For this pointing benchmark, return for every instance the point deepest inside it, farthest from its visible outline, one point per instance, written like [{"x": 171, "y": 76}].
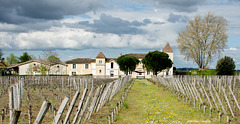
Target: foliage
[
  {"x": 1, "y": 54},
  {"x": 53, "y": 59},
  {"x": 25, "y": 57},
  {"x": 157, "y": 61},
  {"x": 127, "y": 63},
  {"x": 225, "y": 66},
  {"x": 48, "y": 58},
  {"x": 204, "y": 38},
  {"x": 30, "y": 69},
  {"x": 43, "y": 69},
  {"x": 201, "y": 72},
  {"x": 46, "y": 55},
  {"x": 12, "y": 59}
]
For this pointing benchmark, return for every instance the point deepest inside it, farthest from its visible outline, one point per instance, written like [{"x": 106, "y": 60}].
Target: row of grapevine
[
  {"x": 51, "y": 91},
  {"x": 214, "y": 94}
]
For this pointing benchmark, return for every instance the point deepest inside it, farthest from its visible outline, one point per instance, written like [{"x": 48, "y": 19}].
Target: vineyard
[
  {"x": 55, "y": 99},
  {"x": 218, "y": 96}
]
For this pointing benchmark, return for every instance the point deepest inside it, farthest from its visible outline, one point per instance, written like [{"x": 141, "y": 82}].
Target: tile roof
[
  {"x": 110, "y": 59},
  {"x": 138, "y": 55},
  {"x": 81, "y": 60},
  {"x": 167, "y": 48},
  {"x": 100, "y": 55},
  {"x": 39, "y": 61},
  {"x": 19, "y": 64}
]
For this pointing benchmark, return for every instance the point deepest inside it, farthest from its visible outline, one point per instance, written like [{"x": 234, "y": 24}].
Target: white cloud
[{"x": 233, "y": 49}]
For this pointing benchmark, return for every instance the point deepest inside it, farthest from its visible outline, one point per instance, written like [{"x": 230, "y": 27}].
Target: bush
[
  {"x": 225, "y": 66},
  {"x": 201, "y": 72}
]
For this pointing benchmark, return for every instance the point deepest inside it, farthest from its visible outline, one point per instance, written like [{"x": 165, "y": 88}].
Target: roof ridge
[
  {"x": 100, "y": 55},
  {"x": 168, "y": 48}
]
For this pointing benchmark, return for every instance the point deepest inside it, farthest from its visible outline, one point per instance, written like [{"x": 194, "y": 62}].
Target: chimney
[
  {"x": 90, "y": 57},
  {"x": 120, "y": 54}
]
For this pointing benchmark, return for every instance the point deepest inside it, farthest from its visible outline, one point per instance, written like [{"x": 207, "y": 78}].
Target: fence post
[
  {"x": 71, "y": 107},
  {"x": 42, "y": 112},
  {"x": 60, "y": 110},
  {"x": 15, "y": 116}
]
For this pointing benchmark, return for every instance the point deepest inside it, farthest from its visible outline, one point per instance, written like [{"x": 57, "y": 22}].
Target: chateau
[{"x": 102, "y": 66}]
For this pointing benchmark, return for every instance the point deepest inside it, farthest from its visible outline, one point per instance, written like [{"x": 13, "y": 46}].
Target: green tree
[
  {"x": 127, "y": 63},
  {"x": 53, "y": 59},
  {"x": 25, "y": 57},
  {"x": 157, "y": 61},
  {"x": 1, "y": 54},
  {"x": 43, "y": 69},
  {"x": 204, "y": 38},
  {"x": 12, "y": 59},
  {"x": 225, "y": 66}
]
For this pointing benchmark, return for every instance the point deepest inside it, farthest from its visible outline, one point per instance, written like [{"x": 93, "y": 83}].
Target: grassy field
[{"x": 148, "y": 103}]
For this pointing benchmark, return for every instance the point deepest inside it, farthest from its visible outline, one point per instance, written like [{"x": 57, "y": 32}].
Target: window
[
  {"x": 74, "y": 66},
  {"x": 140, "y": 73},
  {"x": 148, "y": 72},
  {"x": 74, "y": 73},
  {"x": 100, "y": 61},
  {"x": 111, "y": 73},
  {"x": 130, "y": 72},
  {"x": 58, "y": 66},
  {"x": 111, "y": 64},
  {"x": 100, "y": 71},
  {"x": 86, "y": 66}
]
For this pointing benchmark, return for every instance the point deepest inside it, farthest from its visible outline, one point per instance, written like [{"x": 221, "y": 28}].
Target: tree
[
  {"x": 25, "y": 57},
  {"x": 157, "y": 61},
  {"x": 12, "y": 59},
  {"x": 127, "y": 63},
  {"x": 204, "y": 38},
  {"x": 1, "y": 54},
  {"x": 49, "y": 58},
  {"x": 53, "y": 59},
  {"x": 225, "y": 66}
]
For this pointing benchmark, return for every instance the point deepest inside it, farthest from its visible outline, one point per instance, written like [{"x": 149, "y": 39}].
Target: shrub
[{"x": 225, "y": 66}]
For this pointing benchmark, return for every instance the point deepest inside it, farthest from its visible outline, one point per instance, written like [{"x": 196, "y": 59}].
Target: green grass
[{"x": 148, "y": 103}]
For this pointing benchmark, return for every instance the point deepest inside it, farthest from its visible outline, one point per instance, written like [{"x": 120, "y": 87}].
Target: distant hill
[{"x": 186, "y": 69}]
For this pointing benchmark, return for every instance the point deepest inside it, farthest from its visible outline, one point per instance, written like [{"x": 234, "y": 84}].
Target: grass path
[{"x": 148, "y": 103}]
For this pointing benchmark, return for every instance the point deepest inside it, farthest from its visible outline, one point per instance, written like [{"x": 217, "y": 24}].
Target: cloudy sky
[{"x": 81, "y": 28}]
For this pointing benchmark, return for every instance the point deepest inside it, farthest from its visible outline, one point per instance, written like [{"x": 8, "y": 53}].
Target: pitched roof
[
  {"x": 100, "y": 55},
  {"x": 81, "y": 60},
  {"x": 39, "y": 61},
  {"x": 111, "y": 59},
  {"x": 138, "y": 55},
  {"x": 19, "y": 64},
  {"x": 167, "y": 48}
]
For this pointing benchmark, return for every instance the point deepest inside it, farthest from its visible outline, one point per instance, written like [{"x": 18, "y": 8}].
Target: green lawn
[{"x": 148, "y": 103}]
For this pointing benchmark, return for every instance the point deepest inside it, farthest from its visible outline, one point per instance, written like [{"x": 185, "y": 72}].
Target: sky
[{"x": 81, "y": 28}]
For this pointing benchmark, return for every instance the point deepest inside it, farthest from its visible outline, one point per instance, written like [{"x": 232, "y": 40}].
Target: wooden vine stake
[
  {"x": 60, "y": 110},
  {"x": 42, "y": 112}
]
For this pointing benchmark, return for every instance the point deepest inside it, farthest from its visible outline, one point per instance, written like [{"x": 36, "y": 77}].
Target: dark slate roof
[
  {"x": 167, "y": 48},
  {"x": 138, "y": 55},
  {"x": 81, "y": 60},
  {"x": 100, "y": 55}
]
